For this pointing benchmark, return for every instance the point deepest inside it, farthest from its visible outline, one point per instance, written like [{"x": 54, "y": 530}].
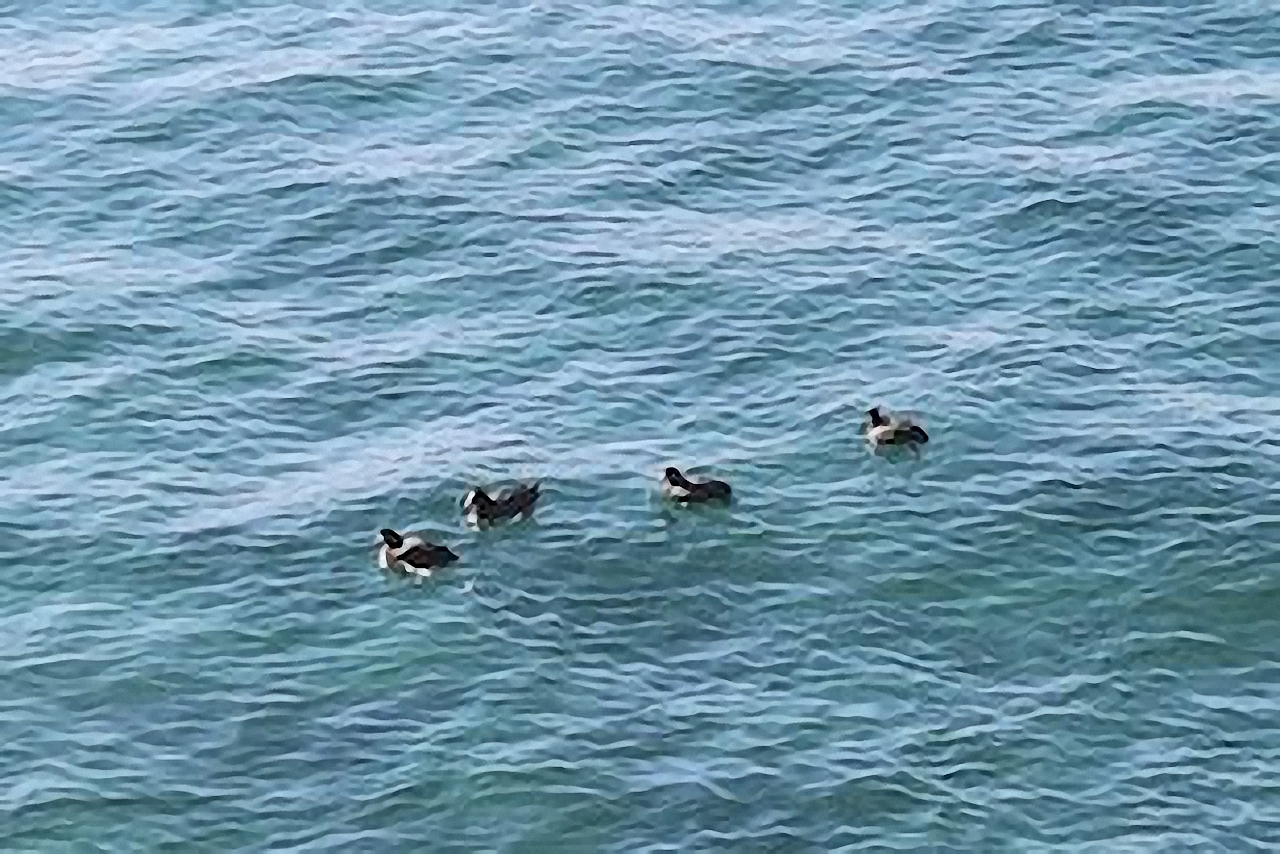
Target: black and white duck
[
  {"x": 412, "y": 554},
  {"x": 677, "y": 487},
  {"x": 483, "y": 510},
  {"x": 883, "y": 428}
]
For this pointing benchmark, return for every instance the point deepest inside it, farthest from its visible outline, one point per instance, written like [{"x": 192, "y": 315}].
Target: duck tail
[{"x": 529, "y": 498}]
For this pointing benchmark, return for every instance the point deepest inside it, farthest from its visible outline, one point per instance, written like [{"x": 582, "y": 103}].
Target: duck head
[{"x": 475, "y": 497}]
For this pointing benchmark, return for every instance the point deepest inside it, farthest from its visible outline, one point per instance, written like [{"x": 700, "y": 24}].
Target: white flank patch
[
  {"x": 673, "y": 491},
  {"x": 877, "y": 435}
]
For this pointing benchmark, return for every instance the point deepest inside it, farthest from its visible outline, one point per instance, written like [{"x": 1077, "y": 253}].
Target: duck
[
  {"x": 882, "y": 428},
  {"x": 412, "y": 554},
  {"x": 677, "y": 487},
  {"x": 483, "y": 510}
]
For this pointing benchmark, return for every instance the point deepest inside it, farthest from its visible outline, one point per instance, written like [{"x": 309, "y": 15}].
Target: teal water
[{"x": 278, "y": 275}]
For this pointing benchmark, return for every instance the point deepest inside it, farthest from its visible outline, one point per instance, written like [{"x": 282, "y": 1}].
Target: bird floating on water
[
  {"x": 412, "y": 554},
  {"x": 677, "y": 487},
  {"x": 884, "y": 428},
  {"x": 483, "y": 510}
]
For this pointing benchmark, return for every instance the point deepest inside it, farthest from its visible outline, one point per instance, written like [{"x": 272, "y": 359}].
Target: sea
[{"x": 277, "y": 275}]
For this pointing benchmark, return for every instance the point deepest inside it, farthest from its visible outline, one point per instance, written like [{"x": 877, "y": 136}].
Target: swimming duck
[
  {"x": 412, "y": 554},
  {"x": 882, "y": 428},
  {"x": 677, "y": 487},
  {"x": 482, "y": 510}
]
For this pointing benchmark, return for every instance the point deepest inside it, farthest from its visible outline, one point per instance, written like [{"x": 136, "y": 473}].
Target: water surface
[{"x": 275, "y": 276}]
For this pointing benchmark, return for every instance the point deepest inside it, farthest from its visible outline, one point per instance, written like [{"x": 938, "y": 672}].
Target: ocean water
[{"x": 277, "y": 275}]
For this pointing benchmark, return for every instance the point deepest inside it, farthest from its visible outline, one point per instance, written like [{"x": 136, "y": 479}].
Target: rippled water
[{"x": 276, "y": 276}]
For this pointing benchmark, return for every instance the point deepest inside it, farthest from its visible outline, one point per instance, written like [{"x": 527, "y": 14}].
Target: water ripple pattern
[{"x": 277, "y": 275}]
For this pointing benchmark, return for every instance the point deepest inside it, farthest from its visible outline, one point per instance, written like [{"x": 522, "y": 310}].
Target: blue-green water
[{"x": 276, "y": 276}]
